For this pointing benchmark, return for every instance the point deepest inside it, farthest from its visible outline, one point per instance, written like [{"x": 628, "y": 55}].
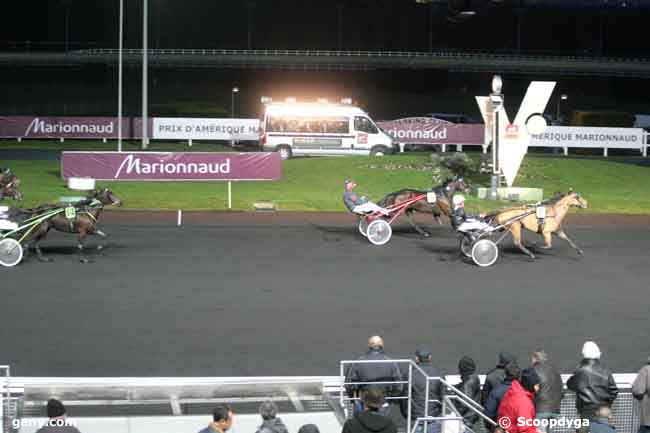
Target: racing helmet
[{"x": 458, "y": 199}]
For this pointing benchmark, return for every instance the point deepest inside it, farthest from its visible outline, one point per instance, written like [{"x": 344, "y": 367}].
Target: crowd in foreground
[{"x": 510, "y": 394}]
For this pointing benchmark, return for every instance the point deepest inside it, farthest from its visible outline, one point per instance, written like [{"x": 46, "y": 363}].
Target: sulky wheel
[
  {"x": 11, "y": 252},
  {"x": 363, "y": 227},
  {"x": 466, "y": 242},
  {"x": 379, "y": 232},
  {"x": 485, "y": 252}
]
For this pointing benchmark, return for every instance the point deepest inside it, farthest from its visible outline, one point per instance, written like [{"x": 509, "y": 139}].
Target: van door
[{"x": 365, "y": 132}]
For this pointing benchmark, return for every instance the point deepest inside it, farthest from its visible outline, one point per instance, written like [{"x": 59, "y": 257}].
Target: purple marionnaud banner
[
  {"x": 427, "y": 130},
  {"x": 173, "y": 166},
  {"x": 70, "y": 127}
]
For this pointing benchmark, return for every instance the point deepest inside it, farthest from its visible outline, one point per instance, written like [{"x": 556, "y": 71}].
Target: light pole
[
  {"x": 496, "y": 98},
  {"x": 232, "y": 108},
  {"x": 145, "y": 72},
  {"x": 562, "y": 97},
  {"x": 120, "y": 79}
]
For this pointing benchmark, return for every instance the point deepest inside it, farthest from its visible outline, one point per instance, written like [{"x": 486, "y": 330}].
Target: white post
[
  {"x": 20, "y": 139},
  {"x": 401, "y": 147},
  {"x": 605, "y": 152},
  {"x": 179, "y": 219},
  {"x": 484, "y": 149},
  {"x": 566, "y": 151},
  {"x": 444, "y": 148},
  {"x": 189, "y": 142},
  {"x": 229, "y": 195},
  {"x": 645, "y": 150},
  {"x": 459, "y": 148},
  {"x": 104, "y": 140},
  {"x": 61, "y": 140},
  {"x": 120, "y": 81}
]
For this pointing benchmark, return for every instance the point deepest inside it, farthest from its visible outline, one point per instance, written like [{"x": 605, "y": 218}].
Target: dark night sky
[{"x": 313, "y": 24}]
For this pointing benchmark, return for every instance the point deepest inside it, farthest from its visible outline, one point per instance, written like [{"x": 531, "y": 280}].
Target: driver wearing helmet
[
  {"x": 462, "y": 221},
  {"x": 359, "y": 204}
]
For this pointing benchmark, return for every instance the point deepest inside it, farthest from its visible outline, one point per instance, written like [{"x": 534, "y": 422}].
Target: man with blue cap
[{"x": 359, "y": 204}]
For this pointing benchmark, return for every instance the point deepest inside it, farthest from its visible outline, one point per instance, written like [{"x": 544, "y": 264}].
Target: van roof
[{"x": 311, "y": 109}]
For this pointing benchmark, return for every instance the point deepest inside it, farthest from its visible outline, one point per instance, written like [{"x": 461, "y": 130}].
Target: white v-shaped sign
[{"x": 514, "y": 138}]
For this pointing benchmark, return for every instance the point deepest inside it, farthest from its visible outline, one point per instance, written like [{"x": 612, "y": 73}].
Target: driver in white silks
[
  {"x": 463, "y": 222},
  {"x": 360, "y": 204}
]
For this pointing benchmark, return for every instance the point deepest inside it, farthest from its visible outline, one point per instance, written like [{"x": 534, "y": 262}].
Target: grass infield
[{"x": 611, "y": 185}]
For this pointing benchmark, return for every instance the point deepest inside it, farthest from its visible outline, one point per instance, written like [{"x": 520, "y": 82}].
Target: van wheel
[
  {"x": 379, "y": 151},
  {"x": 285, "y": 151}
]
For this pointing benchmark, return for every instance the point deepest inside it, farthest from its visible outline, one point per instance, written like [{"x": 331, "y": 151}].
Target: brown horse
[
  {"x": 526, "y": 217},
  {"x": 82, "y": 221},
  {"x": 9, "y": 185},
  {"x": 442, "y": 206}
]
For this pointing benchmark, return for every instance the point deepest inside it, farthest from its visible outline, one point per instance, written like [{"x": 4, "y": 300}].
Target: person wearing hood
[
  {"x": 513, "y": 372},
  {"x": 373, "y": 372},
  {"x": 419, "y": 397},
  {"x": 495, "y": 377},
  {"x": 641, "y": 392},
  {"x": 592, "y": 382},
  {"x": 370, "y": 420},
  {"x": 470, "y": 385},
  {"x": 519, "y": 402},
  {"x": 270, "y": 422}
]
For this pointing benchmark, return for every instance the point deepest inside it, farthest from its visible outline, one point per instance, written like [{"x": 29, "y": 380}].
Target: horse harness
[{"x": 81, "y": 208}]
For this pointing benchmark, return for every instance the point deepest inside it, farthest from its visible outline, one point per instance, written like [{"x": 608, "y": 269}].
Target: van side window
[{"x": 363, "y": 124}]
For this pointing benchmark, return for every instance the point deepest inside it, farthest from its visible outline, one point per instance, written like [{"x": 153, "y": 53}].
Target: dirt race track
[{"x": 240, "y": 294}]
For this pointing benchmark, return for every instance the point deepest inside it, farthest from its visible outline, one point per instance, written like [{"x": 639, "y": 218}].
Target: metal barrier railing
[
  {"x": 5, "y": 395},
  {"x": 413, "y": 367}
]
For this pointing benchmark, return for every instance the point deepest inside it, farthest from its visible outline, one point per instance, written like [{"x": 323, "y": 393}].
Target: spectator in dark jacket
[
  {"x": 519, "y": 402},
  {"x": 513, "y": 372},
  {"x": 370, "y": 420},
  {"x": 602, "y": 422},
  {"x": 309, "y": 428},
  {"x": 56, "y": 412},
  {"x": 549, "y": 396},
  {"x": 641, "y": 392},
  {"x": 373, "y": 372},
  {"x": 592, "y": 382},
  {"x": 470, "y": 386},
  {"x": 418, "y": 392},
  {"x": 495, "y": 377},
  {"x": 270, "y": 422}
]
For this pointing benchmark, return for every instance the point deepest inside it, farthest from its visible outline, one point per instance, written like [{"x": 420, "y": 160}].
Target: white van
[{"x": 321, "y": 129}]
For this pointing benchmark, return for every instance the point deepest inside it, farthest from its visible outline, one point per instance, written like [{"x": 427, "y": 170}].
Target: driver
[
  {"x": 462, "y": 221},
  {"x": 359, "y": 205}
]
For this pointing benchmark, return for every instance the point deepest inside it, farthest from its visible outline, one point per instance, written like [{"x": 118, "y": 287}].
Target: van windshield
[{"x": 311, "y": 124}]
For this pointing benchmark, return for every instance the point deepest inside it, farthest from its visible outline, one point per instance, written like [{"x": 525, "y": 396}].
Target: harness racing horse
[
  {"x": 9, "y": 185},
  {"x": 442, "y": 205},
  {"x": 516, "y": 218},
  {"x": 80, "y": 218}
]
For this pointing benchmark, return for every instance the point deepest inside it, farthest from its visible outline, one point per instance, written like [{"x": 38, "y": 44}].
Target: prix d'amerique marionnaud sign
[{"x": 515, "y": 137}]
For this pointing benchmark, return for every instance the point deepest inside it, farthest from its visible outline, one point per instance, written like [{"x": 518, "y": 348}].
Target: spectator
[
  {"x": 592, "y": 382},
  {"x": 641, "y": 392},
  {"x": 512, "y": 372},
  {"x": 495, "y": 376},
  {"x": 309, "y": 428},
  {"x": 549, "y": 397},
  {"x": 222, "y": 418},
  {"x": 270, "y": 422},
  {"x": 419, "y": 393},
  {"x": 602, "y": 422},
  {"x": 469, "y": 385},
  {"x": 370, "y": 420},
  {"x": 374, "y": 372},
  {"x": 519, "y": 402},
  {"x": 57, "y": 414}
]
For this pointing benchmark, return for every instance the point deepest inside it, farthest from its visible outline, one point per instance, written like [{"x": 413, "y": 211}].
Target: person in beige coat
[{"x": 641, "y": 391}]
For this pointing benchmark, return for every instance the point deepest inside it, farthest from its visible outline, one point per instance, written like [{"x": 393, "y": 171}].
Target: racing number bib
[{"x": 70, "y": 212}]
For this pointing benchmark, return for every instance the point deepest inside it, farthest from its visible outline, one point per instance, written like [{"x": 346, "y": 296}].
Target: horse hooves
[
  {"x": 45, "y": 259},
  {"x": 85, "y": 260},
  {"x": 581, "y": 252},
  {"x": 532, "y": 256},
  {"x": 426, "y": 234},
  {"x": 100, "y": 247}
]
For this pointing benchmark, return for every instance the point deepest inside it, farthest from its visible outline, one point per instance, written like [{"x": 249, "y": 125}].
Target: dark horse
[
  {"x": 9, "y": 185},
  {"x": 442, "y": 205},
  {"x": 82, "y": 221}
]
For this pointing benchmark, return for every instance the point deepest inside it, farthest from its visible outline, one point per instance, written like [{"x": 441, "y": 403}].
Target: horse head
[
  {"x": 106, "y": 197},
  {"x": 573, "y": 198},
  {"x": 10, "y": 186}
]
